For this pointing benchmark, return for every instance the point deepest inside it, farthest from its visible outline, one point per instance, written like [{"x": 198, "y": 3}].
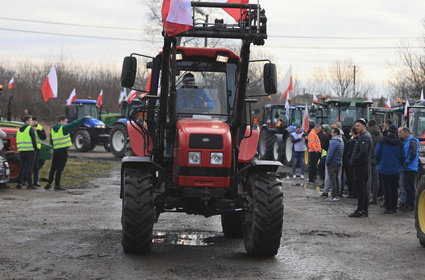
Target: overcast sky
[{"x": 292, "y": 26}]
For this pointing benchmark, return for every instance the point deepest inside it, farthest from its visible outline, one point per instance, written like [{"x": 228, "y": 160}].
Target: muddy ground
[{"x": 75, "y": 234}]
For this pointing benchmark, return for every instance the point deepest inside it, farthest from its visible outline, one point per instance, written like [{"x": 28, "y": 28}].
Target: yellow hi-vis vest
[
  {"x": 24, "y": 141},
  {"x": 37, "y": 139},
  {"x": 60, "y": 140}
]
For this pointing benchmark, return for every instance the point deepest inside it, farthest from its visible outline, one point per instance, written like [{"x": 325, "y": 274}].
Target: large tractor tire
[
  {"x": 420, "y": 212},
  {"x": 278, "y": 152},
  {"x": 138, "y": 210},
  {"x": 118, "y": 140},
  {"x": 265, "y": 145},
  {"x": 287, "y": 146},
  {"x": 264, "y": 218},
  {"x": 14, "y": 164},
  {"x": 82, "y": 141},
  {"x": 232, "y": 225}
]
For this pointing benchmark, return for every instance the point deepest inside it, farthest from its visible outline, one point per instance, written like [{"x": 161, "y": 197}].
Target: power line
[
  {"x": 71, "y": 24},
  {"x": 344, "y": 37},
  {"x": 342, "y": 48}
]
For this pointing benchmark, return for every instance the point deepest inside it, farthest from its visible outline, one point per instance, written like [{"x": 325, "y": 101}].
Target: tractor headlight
[
  {"x": 100, "y": 126},
  {"x": 194, "y": 157},
  {"x": 216, "y": 158}
]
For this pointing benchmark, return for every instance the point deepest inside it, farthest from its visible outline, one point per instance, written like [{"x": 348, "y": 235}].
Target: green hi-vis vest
[
  {"x": 60, "y": 140},
  {"x": 37, "y": 139},
  {"x": 24, "y": 141}
]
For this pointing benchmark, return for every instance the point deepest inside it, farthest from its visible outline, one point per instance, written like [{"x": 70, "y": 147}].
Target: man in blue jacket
[
  {"x": 389, "y": 160},
  {"x": 410, "y": 166},
  {"x": 190, "y": 96},
  {"x": 334, "y": 162}
]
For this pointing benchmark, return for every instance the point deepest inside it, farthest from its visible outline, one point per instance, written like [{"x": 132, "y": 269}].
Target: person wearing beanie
[{"x": 360, "y": 166}]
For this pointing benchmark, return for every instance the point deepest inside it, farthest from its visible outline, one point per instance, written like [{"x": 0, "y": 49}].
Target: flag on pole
[
  {"x": 49, "y": 89},
  {"x": 235, "y": 13},
  {"x": 369, "y": 98},
  {"x": 422, "y": 95},
  {"x": 176, "y": 16},
  {"x": 72, "y": 98},
  {"x": 287, "y": 84},
  {"x": 287, "y": 109},
  {"x": 306, "y": 122},
  {"x": 100, "y": 100},
  {"x": 11, "y": 83},
  {"x": 123, "y": 96},
  {"x": 388, "y": 104},
  {"x": 315, "y": 99},
  {"x": 406, "y": 108}
]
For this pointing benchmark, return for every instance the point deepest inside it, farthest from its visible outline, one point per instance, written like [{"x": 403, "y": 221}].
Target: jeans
[
  {"x": 390, "y": 191},
  {"x": 361, "y": 174},
  {"x": 297, "y": 157},
  {"x": 313, "y": 158},
  {"x": 402, "y": 196},
  {"x": 60, "y": 156},
  {"x": 334, "y": 179},
  {"x": 373, "y": 182},
  {"x": 409, "y": 184}
]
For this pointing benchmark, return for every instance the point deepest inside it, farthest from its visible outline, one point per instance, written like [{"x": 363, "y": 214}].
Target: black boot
[
  {"x": 47, "y": 187},
  {"x": 59, "y": 188}
]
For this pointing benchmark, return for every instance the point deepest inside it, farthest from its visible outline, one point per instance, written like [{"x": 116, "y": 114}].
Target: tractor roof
[
  {"x": 348, "y": 101},
  {"x": 205, "y": 52},
  {"x": 85, "y": 101}
]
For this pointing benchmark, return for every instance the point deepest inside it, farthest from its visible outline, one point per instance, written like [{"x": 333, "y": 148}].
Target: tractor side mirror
[
  {"x": 270, "y": 78},
  {"x": 128, "y": 74}
]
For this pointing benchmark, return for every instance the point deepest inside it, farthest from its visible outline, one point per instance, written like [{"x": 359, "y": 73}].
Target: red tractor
[
  {"x": 194, "y": 149},
  {"x": 11, "y": 152}
]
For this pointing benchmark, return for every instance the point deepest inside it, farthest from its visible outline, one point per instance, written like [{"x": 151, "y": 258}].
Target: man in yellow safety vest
[
  {"x": 27, "y": 147},
  {"x": 40, "y": 135}
]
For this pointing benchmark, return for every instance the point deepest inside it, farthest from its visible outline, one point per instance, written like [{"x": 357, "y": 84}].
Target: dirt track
[{"x": 76, "y": 235}]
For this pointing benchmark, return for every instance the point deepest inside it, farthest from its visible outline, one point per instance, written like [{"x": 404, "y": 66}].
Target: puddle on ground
[{"x": 186, "y": 239}]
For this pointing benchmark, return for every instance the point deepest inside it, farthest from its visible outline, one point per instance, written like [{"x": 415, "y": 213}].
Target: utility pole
[{"x": 354, "y": 82}]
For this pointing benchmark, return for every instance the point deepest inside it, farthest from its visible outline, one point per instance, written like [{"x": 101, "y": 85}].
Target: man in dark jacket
[
  {"x": 389, "y": 160},
  {"x": 352, "y": 193},
  {"x": 373, "y": 182},
  {"x": 360, "y": 165},
  {"x": 334, "y": 162}
]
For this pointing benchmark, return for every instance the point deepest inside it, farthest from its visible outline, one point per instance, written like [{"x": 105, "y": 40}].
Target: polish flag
[
  {"x": 422, "y": 96},
  {"x": 11, "y": 83},
  {"x": 306, "y": 122},
  {"x": 72, "y": 98},
  {"x": 406, "y": 108},
  {"x": 388, "y": 104},
  {"x": 315, "y": 99},
  {"x": 133, "y": 94},
  {"x": 123, "y": 96},
  {"x": 49, "y": 89},
  {"x": 100, "y": 100},
  {"x": 237, "y": 14},
  {"x": 176, "y": 16},
  {"x": 287, "y": 84}
]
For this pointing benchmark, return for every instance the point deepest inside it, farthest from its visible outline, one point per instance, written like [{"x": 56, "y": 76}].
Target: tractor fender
[
  {"x": 137, "y": 162},
  {"x": 248, "y": 145},
  {"x": 121, "y": 122},
  {"x": 265, "y": 165}
]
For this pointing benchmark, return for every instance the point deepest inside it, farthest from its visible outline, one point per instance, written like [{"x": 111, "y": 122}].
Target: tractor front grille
[{"x": 205, "y": 141}]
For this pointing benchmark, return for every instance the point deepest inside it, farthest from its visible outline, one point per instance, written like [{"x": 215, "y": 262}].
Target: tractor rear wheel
[
  {"x": 264, "y": 218},
  {"x": 287, "y": 146},
  {"x": 118, "y": 140},
  {"x": 232, "y": 225},
  {"x": 82, "y": 141},
  {"x": 138, "y": 210},
  {"x": 278, "y": 152},
  {"x": 420, "y": 212},
  {"x": 265, "y": 145}
]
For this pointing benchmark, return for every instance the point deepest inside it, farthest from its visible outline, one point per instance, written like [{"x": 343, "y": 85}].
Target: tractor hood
[{"x": 94, "y": 123}]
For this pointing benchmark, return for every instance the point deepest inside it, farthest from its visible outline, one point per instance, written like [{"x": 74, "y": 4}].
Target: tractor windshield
[
  {"x": 347, "y": 114},
  {"x": 205, "y": 88},
  {"x": 297, "y": 116},
  {"x": 86, "y": 110},
  {"x": 417, "y": 122}
]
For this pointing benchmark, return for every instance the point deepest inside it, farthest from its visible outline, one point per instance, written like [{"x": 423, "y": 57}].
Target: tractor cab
[
  {"x": 347, "y": 111},
  {"x": 380, "y": 114}
]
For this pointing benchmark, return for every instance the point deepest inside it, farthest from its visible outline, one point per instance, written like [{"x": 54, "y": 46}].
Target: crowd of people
[{"x": 374, "y": 163}]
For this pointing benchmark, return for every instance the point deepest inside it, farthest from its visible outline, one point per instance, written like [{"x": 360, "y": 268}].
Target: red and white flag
[
  {"x": 422, "y": 96},
  {"x": 306, "y": 121},
  {"x": 123, "y": 96},
  {"x": 176, "y": 16},
  {"x": 133, "y": 94},
  {"x": 388, "y": 104},
  {"x": 406, "y": 108},
  {"x": 11, "y": 83},
  {"x": 287, "y": 84},
  {"x": 49, "y": 89},
  {"x": 100, "y": 100},
  {"x": 315, "y": 99},
  {"x": 72, "y": 98}
]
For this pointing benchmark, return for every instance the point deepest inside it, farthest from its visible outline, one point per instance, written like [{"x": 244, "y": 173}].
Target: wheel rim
[
  {"x": 421, "y": 211},
  {"x": 288, "y": 150},
  {"x": 276, "y": 150},
  {"x": 79, "y": 141},
  {"x": 118, "y": 141},
  {"x": 14, "y": 170}
]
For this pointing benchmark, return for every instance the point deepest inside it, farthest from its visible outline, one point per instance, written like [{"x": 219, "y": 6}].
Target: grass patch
[{"x": 79, "y": 171}]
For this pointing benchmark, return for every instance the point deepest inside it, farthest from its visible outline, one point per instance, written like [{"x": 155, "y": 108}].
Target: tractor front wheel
[
  {"x": 420, "y": 212},
  {"x": 266, "y": 144},
  {"x": 138, "y": 210},
  {"x": 264, "y": 218},
  {"x": 82, "y": 141},
  {"x": 118, "y": 140}
]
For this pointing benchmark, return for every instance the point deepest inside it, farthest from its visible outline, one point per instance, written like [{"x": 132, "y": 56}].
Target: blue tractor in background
[
  {"x": 93, "y": 132},
  {"x": 118, "y": 137}
]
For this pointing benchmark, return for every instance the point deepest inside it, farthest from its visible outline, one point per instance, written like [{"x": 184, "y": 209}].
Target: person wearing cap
[
  {"x": 410, "y": 167},
  {"x": 360, "y": 166},
  {"x": 389, "y": 160},
  {"x": 373, "y": 182},
  {"x": 190, "y": 96}
]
